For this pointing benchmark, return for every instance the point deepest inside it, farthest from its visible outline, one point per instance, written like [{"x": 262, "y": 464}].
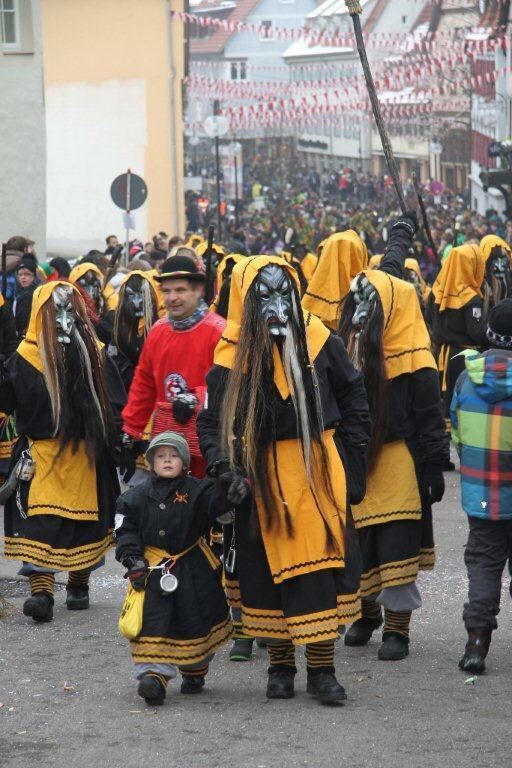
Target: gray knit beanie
[{"x": 173, "y": 440}]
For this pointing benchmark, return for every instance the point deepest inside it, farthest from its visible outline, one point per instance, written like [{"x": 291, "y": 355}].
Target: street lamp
[
  {"x": 436, "y": 150},
  {"x": 216, "y": 126}
]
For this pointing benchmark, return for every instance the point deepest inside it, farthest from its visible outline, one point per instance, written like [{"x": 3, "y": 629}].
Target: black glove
[
  {"x": 183, "y": 407},
  {"x": 432, "y": 484},
  {"x": 235, "y": 486},
  {"x": 130, "y": 449},
  {"x": 356, "y": 474},
  {"x": 408, "y": 221},
  {"x": 137, "y": 573}
]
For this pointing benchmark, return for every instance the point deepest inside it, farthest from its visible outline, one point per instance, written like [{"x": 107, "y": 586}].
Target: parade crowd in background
[{"x": 229, "y": 415}]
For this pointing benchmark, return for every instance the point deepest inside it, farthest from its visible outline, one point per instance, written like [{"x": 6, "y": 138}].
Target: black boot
[
  {"x": 39, "y": 606},
  {"x": 241, "y": 650},
  {"x": 361, "y": 631},
  {"x": 77, "y": 597},
  {"x": 325, "y": 687},
  {"x": 151, "y": 690},
  {"x": 281, "y": 683},
  {"x": 394, "y": 647},
  {"x": 192, "y": 684},
  {"x": 477, "y": 648}
]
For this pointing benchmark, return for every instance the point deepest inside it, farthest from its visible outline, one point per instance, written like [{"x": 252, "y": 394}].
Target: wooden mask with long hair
[
  {"x": 361, "y": 329},
  {"x": 73, "y": 373},
  {"x": 135, "y": 315},
  {"x": 248, "y": 416}
]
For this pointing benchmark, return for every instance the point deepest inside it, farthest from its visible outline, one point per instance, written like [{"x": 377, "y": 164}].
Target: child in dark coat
[{"x": 160, "y": 525}]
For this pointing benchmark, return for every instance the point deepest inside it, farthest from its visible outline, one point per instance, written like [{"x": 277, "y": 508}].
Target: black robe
[
  {"x": 307, "y": 607},
  {"x": 51, "y": 541}
]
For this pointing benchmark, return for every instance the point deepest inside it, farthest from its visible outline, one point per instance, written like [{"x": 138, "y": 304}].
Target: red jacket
[{"x": 171, "y": 362}]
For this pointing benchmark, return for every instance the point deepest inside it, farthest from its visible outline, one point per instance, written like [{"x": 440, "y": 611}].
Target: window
[
  {"x": 238, "y": 70},
  {"x": 9, "y": 16},
  {"x": 266, "y": 33}
]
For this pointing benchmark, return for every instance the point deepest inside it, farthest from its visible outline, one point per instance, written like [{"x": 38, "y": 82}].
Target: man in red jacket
[{"x": 177, "y": 355}]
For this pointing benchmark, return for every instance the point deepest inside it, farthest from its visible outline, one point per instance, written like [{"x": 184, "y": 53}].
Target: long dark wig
[
  {"x": 367, "y": 354},
  {"x": 248, "y": 415},
  {"x": 75, "y": 382},
  {"x": 500, "y": 287},
  {"x": 126, "y": 324}
]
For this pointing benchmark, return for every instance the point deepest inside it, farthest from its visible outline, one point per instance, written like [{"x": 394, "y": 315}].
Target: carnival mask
[
  {"x": 136, "y": 298},
  {"x": 65, "y": 315},
  {"x": 500, "y": 275},
  {"x": 91, "y": 283},
  {"x": 365, "y": 297},
  {"x": 275, "y": 298}
]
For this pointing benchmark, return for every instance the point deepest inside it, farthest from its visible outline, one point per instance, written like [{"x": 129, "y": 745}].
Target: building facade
[
  {"x": 89, "y": 88},
  {"x": 22, "y": 123},
  {"x": 113, "y": 73}
]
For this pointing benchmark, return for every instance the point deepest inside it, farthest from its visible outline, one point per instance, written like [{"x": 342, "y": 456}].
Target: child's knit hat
[
  {"x": 499, "y": 327},
  {"x": 174, "y": 440}
]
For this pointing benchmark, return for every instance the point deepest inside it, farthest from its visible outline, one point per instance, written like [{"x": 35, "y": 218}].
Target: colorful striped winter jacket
[{"x": 481, "y": 416}]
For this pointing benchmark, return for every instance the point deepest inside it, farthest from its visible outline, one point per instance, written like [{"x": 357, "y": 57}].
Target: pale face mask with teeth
[
  {"x": 65, "y": 315},
  {"x": 137, "y": 299},
  {"x": 92, "y": 284},
  {"x": 275, "y": 299}
]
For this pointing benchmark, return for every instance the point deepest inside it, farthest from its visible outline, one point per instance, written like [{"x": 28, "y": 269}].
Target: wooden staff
[
  {"x": 354, "y": 9},
  {"x": 426, "y": 225},
  {"x": 209, "y": 266},
  {"x": 114, "y": 258},
  {"x": 4, "y": 269}
]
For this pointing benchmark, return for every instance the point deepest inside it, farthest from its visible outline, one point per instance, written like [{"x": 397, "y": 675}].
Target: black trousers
[{"x": 487, "y": 551}]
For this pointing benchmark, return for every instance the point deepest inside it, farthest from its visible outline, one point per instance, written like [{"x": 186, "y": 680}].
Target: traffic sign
[{"x": 129, "y": 191}]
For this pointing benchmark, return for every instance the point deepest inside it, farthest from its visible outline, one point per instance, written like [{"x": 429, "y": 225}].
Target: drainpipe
[{"x": 175, "y": 221}]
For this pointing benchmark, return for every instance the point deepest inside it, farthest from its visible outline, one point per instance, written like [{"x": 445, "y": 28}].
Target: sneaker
[
  {"x": 325, "y": 687},
  {"x": 241, "y": 650},
  {"x": 361, "y": 631},
  {"x": 151, "y": 690},
  {"x": 77, "y": 598},
  {"x": 39, "y": 607},
  {"x": 281, "y": 684},
  {"x": 193, "y": 684},
  {"x": 393, "y": 648}
]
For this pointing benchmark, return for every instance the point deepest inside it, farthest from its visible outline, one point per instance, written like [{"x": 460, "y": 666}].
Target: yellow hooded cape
[
  {"x": 51, "y": 492},
  {"x": 109, "y": 295},
  {"x": 237, "y": 258},
  {"x": 305, "y": 551},
  {"x": 489, "y": 242},
  {"x": 405, "y": 341},
  {"x": 344, "y": 255},
  {"x": 203, "y": 247},
  {"x": 460, "y": 278}
]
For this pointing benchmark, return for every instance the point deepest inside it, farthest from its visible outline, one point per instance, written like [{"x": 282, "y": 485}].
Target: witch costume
[
  {"x": 62, "y": 518},
  {"x": 295, "y": 580}
]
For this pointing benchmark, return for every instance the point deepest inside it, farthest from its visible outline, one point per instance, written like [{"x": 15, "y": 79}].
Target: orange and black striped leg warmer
[
  {"x": 238, "y": 633},
  {"x": 281, "y": 654},
  {"x": 196, "y": 672},
  {"x": 396, "y": 623},
  {"x": 42, "y": 582},
  {"x": 162, "y": 679},
  {"x": 79, "y": 578},
  {"x": 320, "y": 656},
  {"x": 370, "y": 609}
]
